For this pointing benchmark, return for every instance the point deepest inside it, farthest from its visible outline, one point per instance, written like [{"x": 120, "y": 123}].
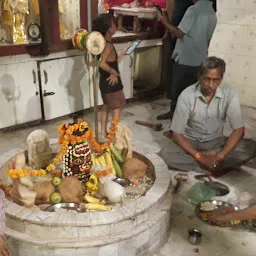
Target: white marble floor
[{"x": 216, "y": 241}]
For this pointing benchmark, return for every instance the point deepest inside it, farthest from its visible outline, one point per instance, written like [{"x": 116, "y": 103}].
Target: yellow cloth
[{"x": 123, "y": 139}]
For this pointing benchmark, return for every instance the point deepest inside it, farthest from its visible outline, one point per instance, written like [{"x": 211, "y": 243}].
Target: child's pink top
[{"x": 2, "y": 214}]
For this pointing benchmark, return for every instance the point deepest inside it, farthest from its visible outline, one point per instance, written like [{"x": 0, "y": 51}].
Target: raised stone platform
[{"x": 137, "y": 228}]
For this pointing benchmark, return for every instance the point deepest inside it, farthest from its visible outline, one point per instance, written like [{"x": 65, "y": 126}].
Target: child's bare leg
[
  {"x": 104, "y": 121},
  {"x": 116, "y": 114}
]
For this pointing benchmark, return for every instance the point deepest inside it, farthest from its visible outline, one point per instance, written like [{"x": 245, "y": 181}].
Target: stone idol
[{"x": 39, "y": 151}]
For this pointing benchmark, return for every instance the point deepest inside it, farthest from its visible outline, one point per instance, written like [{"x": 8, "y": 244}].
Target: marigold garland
[
  {"x": 104, "y": 173},
  {"x": 19, "y": 173}
]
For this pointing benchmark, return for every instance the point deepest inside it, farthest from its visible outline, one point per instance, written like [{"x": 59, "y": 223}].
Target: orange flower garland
[
  {"x": 104, "y": 173},
  {"x": 18, "y": 173}
]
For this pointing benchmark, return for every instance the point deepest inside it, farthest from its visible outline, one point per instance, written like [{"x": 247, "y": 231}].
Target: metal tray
[
  {"x": 67, "y": 206},
  {"x": 219, "y": 205}
]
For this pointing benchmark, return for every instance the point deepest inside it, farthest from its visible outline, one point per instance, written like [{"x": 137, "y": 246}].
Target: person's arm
[
  {"x": 104, "y": 65},
  {"x": 232, "y": 142},
  {"x": 234, "y": 117},
  {"x": 175, "y": 31},
  {"x": 169, "y": 8},
  {"x": 184, "y": 143},
  {"x": 245, "y": 214},
  {"x": 184, "y": 26},
  {"x": 120, "y": 57}
]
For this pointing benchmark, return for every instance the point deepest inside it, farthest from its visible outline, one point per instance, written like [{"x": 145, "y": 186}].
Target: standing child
[{"x": 111, "y": 86}]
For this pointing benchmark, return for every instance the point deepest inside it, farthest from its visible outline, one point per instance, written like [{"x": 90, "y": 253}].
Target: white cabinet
[
  {"x": 126, "y": 74},
  {"x": 65, "y": 86},
  {"x": 19, "y": 94}
]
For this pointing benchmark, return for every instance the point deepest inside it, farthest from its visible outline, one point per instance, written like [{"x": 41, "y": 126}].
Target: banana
[
  {"x": 92, "y": 183},
  {"x": 96, "y": 160},
  {"x": 101, "y": 159},
  {"x": 97, "y": 207},
  {"x": 109, "y": 161},
  {"x": 93, "y": 200},
  {"x": 93, "y": 159}
]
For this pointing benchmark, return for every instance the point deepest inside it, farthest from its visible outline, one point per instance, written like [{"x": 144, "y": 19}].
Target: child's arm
[
  {"x": 120, "y": 57},
  {"x": 103, "y": 64},
  {"x": 113, "y": 78}
]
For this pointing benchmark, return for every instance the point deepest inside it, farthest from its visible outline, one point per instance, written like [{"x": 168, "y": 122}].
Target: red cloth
[{"x": 120, "y": 2}]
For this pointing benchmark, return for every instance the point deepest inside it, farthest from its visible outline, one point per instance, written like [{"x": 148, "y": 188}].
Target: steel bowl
[
  {"x": 66, "y": 206},
  {"x": 123, "y": 182},
  {"x": 194, "y": 236}
]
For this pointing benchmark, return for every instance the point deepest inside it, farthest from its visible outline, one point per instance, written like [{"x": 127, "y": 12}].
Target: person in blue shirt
[{"x": 176, "y": 10}]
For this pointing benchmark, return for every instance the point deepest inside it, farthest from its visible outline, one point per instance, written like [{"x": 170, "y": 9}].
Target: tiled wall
[{"x": 235, "y": 41}]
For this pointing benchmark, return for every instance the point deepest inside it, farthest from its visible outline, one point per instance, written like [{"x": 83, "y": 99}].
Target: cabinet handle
[
  {"x": 45, "y": 77},
  {"x": 131, "y": 61},
  {"x": 48, "y": 93},
  {"x": 34, "y": 76}
]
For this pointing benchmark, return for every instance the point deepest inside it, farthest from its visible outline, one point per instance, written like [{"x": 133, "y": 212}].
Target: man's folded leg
[
  {"x": 177, "y": 159},
  {"x": 244, "y": 151}
]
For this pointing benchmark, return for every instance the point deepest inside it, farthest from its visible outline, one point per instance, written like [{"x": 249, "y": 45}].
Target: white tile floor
[{"x": 216, "y": 241}]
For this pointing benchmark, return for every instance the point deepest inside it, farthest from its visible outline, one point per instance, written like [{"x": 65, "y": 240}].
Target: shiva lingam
[{"x": 78, "y": 162}]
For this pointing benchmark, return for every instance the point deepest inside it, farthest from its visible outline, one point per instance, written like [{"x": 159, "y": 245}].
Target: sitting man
[{"x": 198, "y": 124}]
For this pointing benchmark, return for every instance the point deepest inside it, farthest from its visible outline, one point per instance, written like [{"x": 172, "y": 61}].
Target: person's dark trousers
[
  {"x": 169, "y": 67},
  {"x": 183, "y": 76}
]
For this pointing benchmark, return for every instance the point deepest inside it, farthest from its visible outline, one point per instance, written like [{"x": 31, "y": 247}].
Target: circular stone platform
[{"x": 137, "y": 228}]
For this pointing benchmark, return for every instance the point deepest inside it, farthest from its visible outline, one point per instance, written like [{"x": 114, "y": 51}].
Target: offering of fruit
[
  {"x": 55, "y": 198},
  {"x": 96, "y": 207},
  {"x": 92, "y": 184},
  {"x": 56, "y": 181},
  {"x": 93, "y": 200},
  {"x": 207, "y": 206}
]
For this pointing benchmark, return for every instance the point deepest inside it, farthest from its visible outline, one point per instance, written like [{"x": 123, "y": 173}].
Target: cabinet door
[
  {"x": 65, "y": 86},
  {"x": 19, "y": 94},
  {"x": 126, "y": 74}
]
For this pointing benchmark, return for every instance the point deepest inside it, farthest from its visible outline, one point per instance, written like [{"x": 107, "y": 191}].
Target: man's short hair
[
  {"x": 212, "y": 63},
  {"x": 102, "y": 23}
]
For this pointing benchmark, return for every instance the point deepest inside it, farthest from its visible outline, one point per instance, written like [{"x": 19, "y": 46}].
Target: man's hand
[
  {"x": 218, "y": 218},
  {"x": 208, "y": 153},
  {"x": 209, "y": 161},
  {"x": 4, "y": 251}
]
